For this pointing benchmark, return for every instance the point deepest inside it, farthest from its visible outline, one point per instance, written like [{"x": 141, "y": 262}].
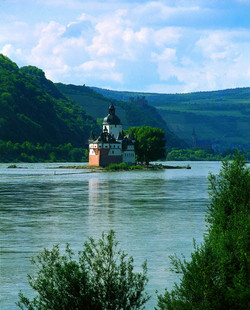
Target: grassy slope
[{"x": 221, "y": 117}]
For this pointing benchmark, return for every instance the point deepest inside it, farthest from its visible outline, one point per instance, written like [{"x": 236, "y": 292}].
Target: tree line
[
  {"x": 31, "y": 152},
  {"x": 193, "y": 154},
  {"x": 150, "y": 146}
]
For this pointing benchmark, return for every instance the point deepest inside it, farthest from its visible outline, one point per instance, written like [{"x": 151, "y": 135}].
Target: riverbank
[
  {"x": 124, "y": 167},
  {"x": 115, "y": 167}
]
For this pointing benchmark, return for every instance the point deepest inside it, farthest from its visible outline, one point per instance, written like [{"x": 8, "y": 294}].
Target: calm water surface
[{"x": 154, "y": 214}]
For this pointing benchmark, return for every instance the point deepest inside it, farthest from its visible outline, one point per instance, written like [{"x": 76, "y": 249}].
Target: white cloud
[
  {"x": 103, "y": 70},
  {"x": 168, "y": 55},
  {"x": 96, "y": 65},
  {"x": 113, "y": 45},
  {"x": 15, "y": 32},
  {"x": 46, "y": 53},
  {"x": 218, "y": 45},
  {"x": 167, "y": 35},
  {"x": 210, "y": 60},
  {"x": 6, "y": 50}
]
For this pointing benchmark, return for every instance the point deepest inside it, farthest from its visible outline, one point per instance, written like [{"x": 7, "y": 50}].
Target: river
[{"x": 154, "y": 214}]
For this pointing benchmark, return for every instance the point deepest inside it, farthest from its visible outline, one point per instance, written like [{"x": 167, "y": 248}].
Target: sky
[{"x": 165, "y": 46}]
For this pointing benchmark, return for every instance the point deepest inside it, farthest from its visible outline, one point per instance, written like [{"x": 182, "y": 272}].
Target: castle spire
[{"x": 112, "y": 109}]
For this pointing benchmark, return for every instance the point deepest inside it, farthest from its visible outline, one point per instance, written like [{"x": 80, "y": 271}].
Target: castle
[{"x": 112, "y": 146}]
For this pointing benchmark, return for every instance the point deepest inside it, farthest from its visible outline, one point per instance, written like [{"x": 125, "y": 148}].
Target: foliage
[
  {"x": 33, "y": 109},
  {"x": 150, "y": 143},
  {"x": 30, "y": 152},
  {"x": 217, "y": 277},
  {"x": 202, "y": 154},
  {"x": 123, "y": 166},
  {"x": 102, "y": 278}
]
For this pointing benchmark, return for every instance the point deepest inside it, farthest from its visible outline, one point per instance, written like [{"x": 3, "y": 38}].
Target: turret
[{"x": 112, "y": 122}]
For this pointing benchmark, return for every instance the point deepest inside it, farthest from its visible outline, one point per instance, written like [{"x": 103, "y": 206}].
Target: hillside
[
  {"x": 134, "y": 113},
  {"x": 32, "y": 109},
  {"x": 218, "y": 118}
]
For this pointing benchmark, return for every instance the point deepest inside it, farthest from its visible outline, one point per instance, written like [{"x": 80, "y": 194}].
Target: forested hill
[
  {"x": 36, "y": 110},
  {"x": 217, "y": 118},
  {"x": 32, "y": 109},
  {"x": 131, "y": 113}
]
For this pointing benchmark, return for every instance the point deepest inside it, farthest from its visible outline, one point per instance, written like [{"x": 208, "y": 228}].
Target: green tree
[
  {"x": 150, "y": 143},
  {"x": 102, "y": 278},
  {"x": 217, "y": 276}
]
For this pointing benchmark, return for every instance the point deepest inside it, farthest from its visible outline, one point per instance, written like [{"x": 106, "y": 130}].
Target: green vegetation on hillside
[
  {"x": 217, "y": 277},
  {"x": 103, "y": 278},
  {"x": 32, "y": 109},
  {"x": 220, "y": 119},
  {"x": 136, "y": 112}
]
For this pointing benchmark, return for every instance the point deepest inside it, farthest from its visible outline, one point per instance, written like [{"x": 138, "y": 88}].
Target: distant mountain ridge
[{"x": 218, "y": 119}]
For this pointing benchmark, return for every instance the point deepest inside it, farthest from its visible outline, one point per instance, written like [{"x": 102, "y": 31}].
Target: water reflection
[{"x": 102, "y": 201}]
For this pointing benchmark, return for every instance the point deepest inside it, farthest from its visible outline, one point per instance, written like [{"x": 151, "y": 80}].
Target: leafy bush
[
  {"x": 217, "y": 277},
  {"x": 150, "y": 143},
  {"x": 103, "y": 278},
  {"x": 123, "y": 166}
]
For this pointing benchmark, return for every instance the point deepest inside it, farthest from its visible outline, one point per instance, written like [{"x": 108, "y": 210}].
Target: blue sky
[{"x": 167, "y": 46}]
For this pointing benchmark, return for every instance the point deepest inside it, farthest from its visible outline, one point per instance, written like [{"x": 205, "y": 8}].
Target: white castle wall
[{"x": 113, "y": 129}]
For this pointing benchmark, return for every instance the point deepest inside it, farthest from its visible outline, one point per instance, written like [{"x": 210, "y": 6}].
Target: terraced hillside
[{"x": 219, "y": 118}]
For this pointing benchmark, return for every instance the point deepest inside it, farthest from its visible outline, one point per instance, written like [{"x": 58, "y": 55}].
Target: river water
[{"x": 154, "y": 214}]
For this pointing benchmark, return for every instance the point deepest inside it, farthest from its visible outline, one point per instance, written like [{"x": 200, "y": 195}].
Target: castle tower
[
  {"x": 111, "y": 147},
  {"x": 112, "y": 122}
]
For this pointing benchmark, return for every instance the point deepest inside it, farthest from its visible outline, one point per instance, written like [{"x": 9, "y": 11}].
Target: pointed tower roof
[
  {"x": 92, "y": 137},
  {"x": 120, "y": 136}
]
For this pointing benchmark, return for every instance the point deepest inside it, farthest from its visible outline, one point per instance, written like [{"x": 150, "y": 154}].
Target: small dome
[{"x": 111, "y": 118}]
